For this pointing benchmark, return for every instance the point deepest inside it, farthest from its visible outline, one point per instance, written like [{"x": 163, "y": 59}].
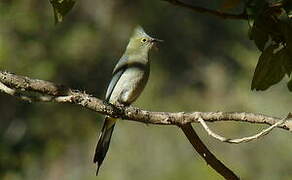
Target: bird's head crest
[{"x": 139, "y": 31}]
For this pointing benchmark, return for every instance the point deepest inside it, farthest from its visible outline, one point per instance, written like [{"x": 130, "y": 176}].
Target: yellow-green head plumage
[{"x": 140, "y": 42}]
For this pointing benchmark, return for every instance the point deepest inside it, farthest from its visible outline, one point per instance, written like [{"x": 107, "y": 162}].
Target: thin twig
[
  {"x": 240, "y": 140},
  {"x": 241, "y": 16}
]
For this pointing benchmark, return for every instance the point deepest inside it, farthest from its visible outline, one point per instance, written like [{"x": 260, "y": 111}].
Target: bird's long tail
[{"x": 104, "y": 141}]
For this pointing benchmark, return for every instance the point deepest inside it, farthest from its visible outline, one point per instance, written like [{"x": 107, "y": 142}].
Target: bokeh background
[{"x": 204, "y": 64}]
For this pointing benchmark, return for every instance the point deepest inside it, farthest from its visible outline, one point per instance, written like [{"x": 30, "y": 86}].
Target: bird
[{"x": 129, "y": 78}]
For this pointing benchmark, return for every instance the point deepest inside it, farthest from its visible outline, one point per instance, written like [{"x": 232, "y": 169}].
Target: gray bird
[{"x": 130, "y": 76}]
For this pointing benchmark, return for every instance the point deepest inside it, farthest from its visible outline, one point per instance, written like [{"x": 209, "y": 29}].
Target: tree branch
[
  {"x": 242, "y": 16},
  {"x": 21, "y": 87},
  {"x": 50, "y": 92},
  {"x": 207, "y": 155}
]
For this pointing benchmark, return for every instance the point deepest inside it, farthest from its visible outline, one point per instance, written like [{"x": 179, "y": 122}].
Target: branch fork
[{"x": 45, "y": 91}]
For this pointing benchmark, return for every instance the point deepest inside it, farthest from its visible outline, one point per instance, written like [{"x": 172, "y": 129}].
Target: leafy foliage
[
  {"x": 61, "y": 8},
  {"x": 270, "y": 28},
  {"x": 270, "y": 68}
]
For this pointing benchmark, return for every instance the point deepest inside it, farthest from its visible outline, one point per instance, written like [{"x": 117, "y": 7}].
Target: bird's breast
[{"x": 130, "y": 85}]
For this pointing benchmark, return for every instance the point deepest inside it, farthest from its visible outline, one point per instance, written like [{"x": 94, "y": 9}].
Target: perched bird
[{"x": 130, "y": 76}]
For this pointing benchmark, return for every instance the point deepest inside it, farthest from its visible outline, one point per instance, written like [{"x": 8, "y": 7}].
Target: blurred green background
[{"x": 204, "y": 64}]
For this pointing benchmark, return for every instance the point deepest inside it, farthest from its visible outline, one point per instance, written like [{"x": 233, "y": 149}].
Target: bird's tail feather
[{"x": 104, "y": 141}]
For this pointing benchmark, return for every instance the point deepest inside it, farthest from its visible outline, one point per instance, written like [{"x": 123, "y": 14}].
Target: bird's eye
[{"x": 144, "y": 40}]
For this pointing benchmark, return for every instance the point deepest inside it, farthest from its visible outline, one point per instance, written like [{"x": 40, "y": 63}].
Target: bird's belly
[{"x": 129, "y": 86}]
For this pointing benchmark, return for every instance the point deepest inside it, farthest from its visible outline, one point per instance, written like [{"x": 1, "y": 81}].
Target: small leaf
[
  {"x": 260, "y": 37},
  {"x": 61, "y": 8},
  {"x": 255, "y": 7},
  {"x": 289, "y": 85},
  {"x": 288, "y": 37},
  {"x": 286, "y": 29},
  {"x": 269, "y": 70},
  {"x": 286, "y": 60},
  {"x": 262, "y": 24},
  {"x": 288, "y": 6},
  {"x": 251, "y": 15}
]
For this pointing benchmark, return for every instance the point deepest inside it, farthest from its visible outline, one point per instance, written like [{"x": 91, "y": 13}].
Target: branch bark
[
  {"x": 50, "y": 92},
  {"x": 21, "y": 87},
  {"x": 204, "y": 152},
  {"x": 241, "y": 16}
]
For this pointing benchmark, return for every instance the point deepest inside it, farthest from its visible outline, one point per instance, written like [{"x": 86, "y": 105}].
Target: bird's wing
[
  {"x": 113, "y": 83},
  {"x": 117, "y": 73},
  {"x": 122, "y": 64}
]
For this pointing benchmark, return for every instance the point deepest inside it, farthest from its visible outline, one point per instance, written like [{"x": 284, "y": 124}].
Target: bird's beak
[{"x": 155, "y": 40}]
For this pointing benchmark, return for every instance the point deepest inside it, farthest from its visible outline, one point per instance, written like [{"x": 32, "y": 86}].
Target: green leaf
[
  {"x": 61, "y": 8},
  {"x": 286, "y": 29},
  {"x": 288, "y": 37},
  {"x": 260, "y": 37},
  {"x": 286, "y": 60},
  {"x": 269, "y": 70},
  {"x": 289, "y": 85},
  {"x": 253, "y": 9},
  {"x": 288, "y": 6},
  {"x": 262, "y": 24}
]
